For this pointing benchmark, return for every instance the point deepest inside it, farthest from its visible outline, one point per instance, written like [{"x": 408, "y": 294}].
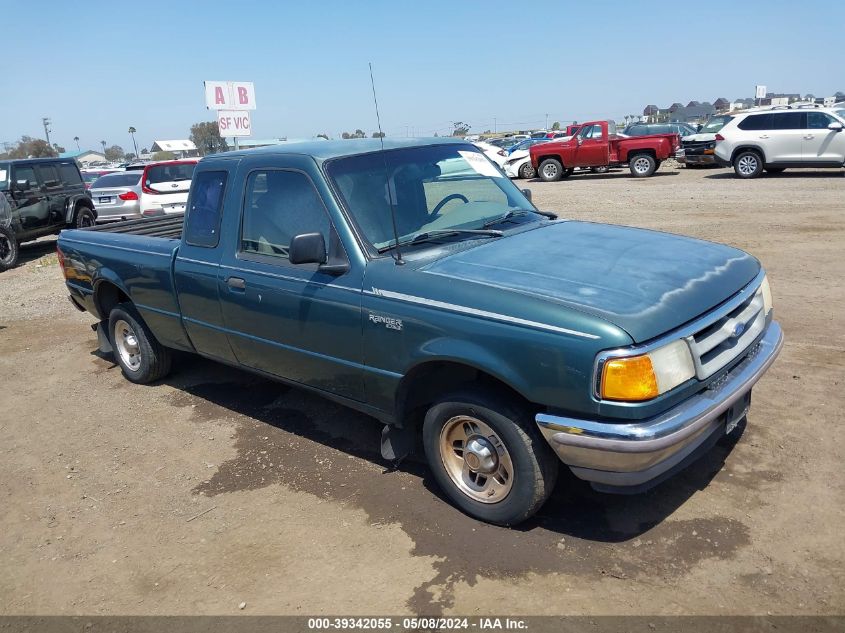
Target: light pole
[
  {"x": 46, "y": 122},
  {"x": 547, "y": 121},
  {"x": 132, "y": 131}
]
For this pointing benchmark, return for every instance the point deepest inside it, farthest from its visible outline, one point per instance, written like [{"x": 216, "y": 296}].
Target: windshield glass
[
  {"x": 122, "y": 179},
  {"x": 840, "y": 113},
  {"x": 715, "y": 124},
  {"x": 173, "y": 172},
  {"x": 433, "y": 188}
]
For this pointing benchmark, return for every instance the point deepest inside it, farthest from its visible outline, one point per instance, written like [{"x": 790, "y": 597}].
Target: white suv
[
  {"x": 776, "y": 138},
  {"x": 165, "y": 185}
]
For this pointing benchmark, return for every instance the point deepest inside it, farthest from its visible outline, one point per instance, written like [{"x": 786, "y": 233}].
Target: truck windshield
[{"x": 431, "y": 189}]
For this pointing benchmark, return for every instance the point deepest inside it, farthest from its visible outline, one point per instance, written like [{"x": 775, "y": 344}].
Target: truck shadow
[
  {"x": 304, "y": 420},
  {"x": 786, "y": 175},
  {"x": 31, "y": 251},
  {"x": 611, "y": 175}
]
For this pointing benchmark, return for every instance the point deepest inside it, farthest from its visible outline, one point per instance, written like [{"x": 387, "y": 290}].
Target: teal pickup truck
[{"x": 415, "y": 283}]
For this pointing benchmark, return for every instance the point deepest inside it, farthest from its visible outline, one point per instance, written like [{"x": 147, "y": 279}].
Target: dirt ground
[{"x": 215, "y": 488}]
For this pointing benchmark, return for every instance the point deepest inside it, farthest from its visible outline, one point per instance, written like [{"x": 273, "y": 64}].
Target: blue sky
[{"x": 95, "y": 68}]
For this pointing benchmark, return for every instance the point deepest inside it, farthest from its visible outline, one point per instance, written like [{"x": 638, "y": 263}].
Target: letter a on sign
[{"x": 219, "y": 99}]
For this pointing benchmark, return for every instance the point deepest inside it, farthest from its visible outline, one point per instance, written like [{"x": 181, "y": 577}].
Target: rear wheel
[
  {"x": 527, "y": 171},
  {"x": 9, "y": 248},
  {"x": 140, "y": 356},
  {"x": 748, "y": 164},
  {"x": 642, "y": 165},
  {"x": 84, "y": 218},
  {"x": 551, "y": 170},
  {"x": 488, "y": 456}
]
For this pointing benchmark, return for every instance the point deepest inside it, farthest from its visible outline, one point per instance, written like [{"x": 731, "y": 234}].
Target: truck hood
[{"x": 645, "y": 282}]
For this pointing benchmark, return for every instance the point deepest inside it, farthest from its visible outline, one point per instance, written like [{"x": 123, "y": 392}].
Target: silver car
[{"x": 117, "y": 196}]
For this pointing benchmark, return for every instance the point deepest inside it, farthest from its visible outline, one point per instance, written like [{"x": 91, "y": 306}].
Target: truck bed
[{"x": 169, "y": 226}]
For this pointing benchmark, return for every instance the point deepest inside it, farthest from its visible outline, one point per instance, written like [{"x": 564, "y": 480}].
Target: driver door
[
  {"x": 593, "y": 148},
  {"x": 292, "y": 321},
  {"x": 32, "y": 203}
]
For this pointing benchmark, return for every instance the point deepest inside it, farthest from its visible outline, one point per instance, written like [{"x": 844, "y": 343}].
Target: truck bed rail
[{"x": 169, "y": 226}]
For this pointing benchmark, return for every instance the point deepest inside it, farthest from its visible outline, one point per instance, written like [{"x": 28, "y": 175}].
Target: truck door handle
[
  {"x": 809, "y": 137},
  {"x": 764, "y": 136},
  {"x": 236, "y": 283}
]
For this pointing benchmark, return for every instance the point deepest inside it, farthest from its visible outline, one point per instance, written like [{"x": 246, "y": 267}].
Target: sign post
[{"x": 233, "y": 100}]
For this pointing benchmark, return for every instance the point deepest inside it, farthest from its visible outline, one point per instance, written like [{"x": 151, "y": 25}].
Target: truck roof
[{"x": 325, "y": 150}]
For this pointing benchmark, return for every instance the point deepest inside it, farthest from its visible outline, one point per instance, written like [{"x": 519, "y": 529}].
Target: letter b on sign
[{"x": 243, "y": 97}]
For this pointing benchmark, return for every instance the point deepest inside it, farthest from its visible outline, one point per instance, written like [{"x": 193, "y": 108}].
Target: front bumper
[
  {"x": 640, "y": 454},
  {"x": 700, "y": 159}
]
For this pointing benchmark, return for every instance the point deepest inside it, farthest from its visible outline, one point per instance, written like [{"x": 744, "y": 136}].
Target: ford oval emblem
[{"x": 739, "y": 328}]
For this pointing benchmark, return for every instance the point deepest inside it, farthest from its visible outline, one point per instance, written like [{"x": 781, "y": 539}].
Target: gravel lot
[{"x": 216, "y": 488}]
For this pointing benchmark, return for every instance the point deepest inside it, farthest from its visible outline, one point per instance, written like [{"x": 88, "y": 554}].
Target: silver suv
[{"x": 786, "y": 136}]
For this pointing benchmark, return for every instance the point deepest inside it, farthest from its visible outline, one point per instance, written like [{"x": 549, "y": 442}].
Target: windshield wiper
[
  {"x": 431, "y": 235},
  {"x": 515, "y": 214}
]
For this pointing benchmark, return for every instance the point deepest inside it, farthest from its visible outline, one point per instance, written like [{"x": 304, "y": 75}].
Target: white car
[
  {"x": 496, "y": 154},
  {"x": 776, "y": 138},
  {"x": 518, "y": 165},
  {"x": 165, "y": 185}
]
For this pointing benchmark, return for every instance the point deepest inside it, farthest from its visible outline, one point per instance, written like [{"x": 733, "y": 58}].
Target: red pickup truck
[{"x": 597, "y": 145}]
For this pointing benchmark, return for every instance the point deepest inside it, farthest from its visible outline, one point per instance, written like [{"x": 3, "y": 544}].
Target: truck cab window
[
  {"x": 204, "y": 209},
  {"x": 278, "y": 206}
]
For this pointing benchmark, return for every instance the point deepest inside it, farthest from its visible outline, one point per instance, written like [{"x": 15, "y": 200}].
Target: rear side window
[
  {"x": 49, "y": 176},
  {"x": 756, "y": 122},
  {"x": 70, "y": 174},
  {"x": 788, "y": 121},
  {"x": 205, "y": 207},
  {"x": 25, "y": 172}
]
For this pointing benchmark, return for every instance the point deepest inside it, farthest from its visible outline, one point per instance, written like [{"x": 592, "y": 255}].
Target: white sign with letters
[
  {"x": 234, "y": 123},
  {"x": 229, "y": 95}
]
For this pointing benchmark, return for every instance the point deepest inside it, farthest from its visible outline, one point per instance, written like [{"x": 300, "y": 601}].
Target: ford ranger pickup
[
  {"x": 596, "y": 144},
  {"x": 415, "y": 283}
]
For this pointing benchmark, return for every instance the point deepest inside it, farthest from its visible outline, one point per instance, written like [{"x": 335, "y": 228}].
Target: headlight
[
  {"x": 767, "y": 295},
  {"x": 646, "y": 376}
]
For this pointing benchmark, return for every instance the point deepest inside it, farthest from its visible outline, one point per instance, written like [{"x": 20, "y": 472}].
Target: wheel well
[
  {"x": 83, "y": 202},
  {"x": 748, "y": 148},
  {"x": 425, "y": 383},
  {"x": 107, "y": 296},
  {"x": 637, "y": 152},
  {"x": 540, "y": 159}
]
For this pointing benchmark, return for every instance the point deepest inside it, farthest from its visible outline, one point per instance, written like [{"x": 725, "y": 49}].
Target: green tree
[
  {"x": 115, "y": 152},
  {"x": 460, "y": 128},
  {"x": 206, "y": 136},
  {"x": 323, "y": 135},
  {"x": 145, "y": 151},
  {"x": 130, "y": 156},
  {"x": 556, "y": 126},
  {"x": 378, "y": 134},
  {"x": 132, "y": 131},
  {"x": 76, "y": 140},
  {"x": 164, "y": 156},
  {"x": 103, "y": 143},
  {"x": 29, "y": 147},
  {"x": 58, "y": 148}
]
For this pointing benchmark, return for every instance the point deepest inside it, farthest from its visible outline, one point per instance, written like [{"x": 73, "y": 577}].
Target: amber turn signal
[{"x": 630, "y": 379}]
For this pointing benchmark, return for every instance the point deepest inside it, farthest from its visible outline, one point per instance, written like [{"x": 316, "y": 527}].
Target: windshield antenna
[{"x": 399, "y": 260}]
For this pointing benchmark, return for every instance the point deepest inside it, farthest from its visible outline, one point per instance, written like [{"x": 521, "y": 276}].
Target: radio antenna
[{"x": 399, "y": 260}]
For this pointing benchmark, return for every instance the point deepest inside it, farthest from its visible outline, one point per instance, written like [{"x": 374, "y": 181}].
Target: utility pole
[
  {"x": 547, "y": 121},
  {"x": 495, "y": 128},
  {"x": 46, "y": 123}
]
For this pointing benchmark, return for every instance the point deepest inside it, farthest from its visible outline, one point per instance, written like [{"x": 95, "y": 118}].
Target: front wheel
[
  {"x": 9, "y": 248},
  {"x": 84, "y": 218},
  {"x": 527, "y": 171},
  {"x": 140, "y": 356},
  {"x": 488, "y": 457},
  {"x": 551, "y": 170},
  {"x": 642, "y": 165},
  {"x": 748, "y": 164}
]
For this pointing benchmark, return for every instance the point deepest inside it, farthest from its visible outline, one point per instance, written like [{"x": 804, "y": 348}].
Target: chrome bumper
[{"x": 634, "y": 454}]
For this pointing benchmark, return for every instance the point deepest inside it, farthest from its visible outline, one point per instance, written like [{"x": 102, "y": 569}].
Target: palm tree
[
  {"x": 132, "y": 131},
  {"x": 76, "y": 138},
  {"x": 103, "y": 143}
]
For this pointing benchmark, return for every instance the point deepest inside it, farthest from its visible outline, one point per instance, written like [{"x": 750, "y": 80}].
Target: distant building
[
  {"x": 84, "y": 156},
  {"x": 693, "y": 104},
  {"x": 181, "y": 148},
  {"x": 650, "y": 110},
  {"x": 721, "y": 104},
  {"x": 693, "y": 114},
  {"x": 675, "y": 106}
]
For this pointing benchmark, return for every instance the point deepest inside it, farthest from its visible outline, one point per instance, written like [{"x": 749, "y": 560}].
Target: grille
[{"x": 726, "y": 339}]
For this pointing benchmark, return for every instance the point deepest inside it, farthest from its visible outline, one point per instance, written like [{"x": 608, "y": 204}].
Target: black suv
[{"x": 39, "y": 196}]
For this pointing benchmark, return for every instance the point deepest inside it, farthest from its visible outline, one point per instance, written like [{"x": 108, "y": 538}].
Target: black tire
[
  {"x": 642, "y": 165},
  {"x": 775, "y": 170},
  {"x": 84, "y": 217},
  {"x": 9, "y": 248},
  {"x": 748, "y": 164},
  {"x": 567, "y": 172},
  {"x": 550, "y": 170},
  {"x": 527, "y": 171},
  {"x": 533, "y": 463},
  {"x": 153, "y": 359}
]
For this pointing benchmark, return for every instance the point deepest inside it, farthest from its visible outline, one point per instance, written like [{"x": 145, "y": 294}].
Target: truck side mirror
[
  {"x": 307, "y": 248},
  {"x": 526, "y": 193},
  {"x": 836, "y": 126}
]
